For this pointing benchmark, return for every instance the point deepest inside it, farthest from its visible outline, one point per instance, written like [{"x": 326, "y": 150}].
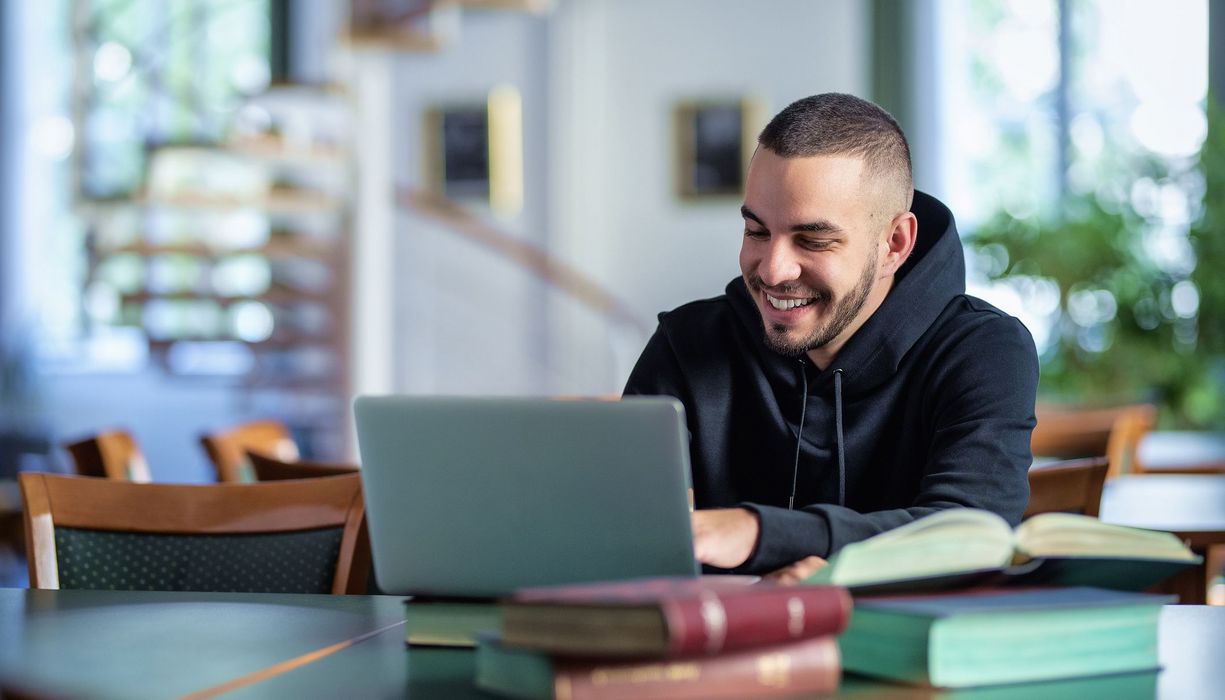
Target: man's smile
[{"x": 785, "y": 304}]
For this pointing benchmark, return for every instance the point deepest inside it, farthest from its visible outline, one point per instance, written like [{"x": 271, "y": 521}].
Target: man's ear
[{"x": 899, "y": 242}]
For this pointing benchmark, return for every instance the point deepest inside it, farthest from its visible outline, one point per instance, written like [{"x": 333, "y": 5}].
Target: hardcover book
[
  {"x": 962, "y": 547},
  {"x": 669, "y": 616},
  {"x": 804, "y": 666},
  {"x": 1000, "y": 636},
  {"x": 448, "y": 622}
]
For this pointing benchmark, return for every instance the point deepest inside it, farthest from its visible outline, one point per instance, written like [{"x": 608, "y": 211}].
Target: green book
[
  {"x": 449, "y": 622},
  {"x": 962, "y": 547},
  {"x": 998, "y": 636}
]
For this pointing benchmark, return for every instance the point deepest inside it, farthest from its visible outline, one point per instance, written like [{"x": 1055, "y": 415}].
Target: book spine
[
  {"x": 711, "y": 624},
  {"x": 808, "y": 666}
]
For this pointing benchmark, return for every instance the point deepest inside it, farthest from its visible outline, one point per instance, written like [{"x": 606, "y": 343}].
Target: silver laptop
[{"x": 480, "y": 496}]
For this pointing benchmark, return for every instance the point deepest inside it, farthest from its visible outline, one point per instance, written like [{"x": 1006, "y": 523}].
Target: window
[
  {"x": 117, "y": 79},
  {"x": 1072, "y": 149}
]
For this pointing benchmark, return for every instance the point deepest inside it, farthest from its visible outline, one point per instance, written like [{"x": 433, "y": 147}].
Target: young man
[{"x": 845, "y": 384}]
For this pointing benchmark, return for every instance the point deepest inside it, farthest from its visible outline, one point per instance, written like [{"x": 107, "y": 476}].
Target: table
[
  {"x": 1190, "y": 506},
  {"x": 152, "y": 644},
  {"x": 120, "y": 644},
  {"x": 1182, "y": 451}
]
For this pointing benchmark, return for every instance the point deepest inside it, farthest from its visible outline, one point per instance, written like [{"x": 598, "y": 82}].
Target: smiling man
[{"x": 845, "y": 384}]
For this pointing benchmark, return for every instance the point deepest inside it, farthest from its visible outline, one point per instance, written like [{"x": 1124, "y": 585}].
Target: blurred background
[{"x": 219, "y": 210}]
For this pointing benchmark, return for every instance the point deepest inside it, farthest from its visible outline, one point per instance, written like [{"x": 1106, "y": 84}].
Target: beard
[{"x": 843, "y": 312}]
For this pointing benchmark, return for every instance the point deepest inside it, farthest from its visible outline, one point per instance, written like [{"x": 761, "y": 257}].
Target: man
[{"x": 845, "y": 384}]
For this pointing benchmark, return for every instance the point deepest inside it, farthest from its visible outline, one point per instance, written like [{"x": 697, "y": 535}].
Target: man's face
[{"x": 811, "y": 251}]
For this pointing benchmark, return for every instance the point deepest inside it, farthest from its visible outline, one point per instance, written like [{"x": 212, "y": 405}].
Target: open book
[{"x": 964, "y": 546}]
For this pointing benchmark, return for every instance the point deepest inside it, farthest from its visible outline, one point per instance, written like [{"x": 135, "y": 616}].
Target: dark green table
[
  {"x": 134, "y": 645},
  {"x": 119, "y": 644}
]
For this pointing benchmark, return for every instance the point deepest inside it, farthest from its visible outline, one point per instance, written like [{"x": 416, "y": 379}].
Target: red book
[
  {"x": 670, "y": 617},
  {"x": 808, "y": 666}
]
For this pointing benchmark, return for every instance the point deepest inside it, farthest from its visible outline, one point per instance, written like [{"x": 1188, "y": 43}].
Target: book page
[
  {"x": 954, "y": 540},
  {"x": 1066, "y": 534}
]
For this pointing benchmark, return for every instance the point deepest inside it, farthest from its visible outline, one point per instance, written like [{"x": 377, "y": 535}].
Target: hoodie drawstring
[
  {"x": 799, "y": 434},
  {"x": 838, "y": 428},
  {"x": 795, "y": 471}
]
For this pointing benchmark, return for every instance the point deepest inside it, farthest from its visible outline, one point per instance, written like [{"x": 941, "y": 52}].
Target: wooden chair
[
  {"x": 304, "y": 536},
  {"x": 272, "y": 469},
  {"x": 112, "y": 455},
  {"x": 1070, "y": 486},
  {"x": 227, "y": 449},
  {"x": 1115, "y": 432},
  {"x": 1132, "y": 424}
]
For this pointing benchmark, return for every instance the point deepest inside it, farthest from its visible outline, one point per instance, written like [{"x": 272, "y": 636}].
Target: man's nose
[{"x": 779, "y": 265}]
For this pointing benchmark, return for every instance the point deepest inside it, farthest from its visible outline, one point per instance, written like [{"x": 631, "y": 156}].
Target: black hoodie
[{"x": 929, "y": 405}]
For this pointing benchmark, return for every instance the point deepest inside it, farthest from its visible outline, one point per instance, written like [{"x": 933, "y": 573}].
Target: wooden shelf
[
  {"x": 277, "y": 343},
  {"x": 274, "y": 151},
  {"x": 275, "y": 249},
  {"x": 275, "y": 296},
  {"x": 395, "y": 40},
  {"x": 274, "y": 203},
  {"x": 297, "y": 194}
]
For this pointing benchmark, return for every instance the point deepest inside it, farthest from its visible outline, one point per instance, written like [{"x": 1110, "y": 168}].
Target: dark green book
[
  {"x": 999, "y": 636},
  {"x": 1141, "y": 685},
  {"x": 449, "y": 622}
]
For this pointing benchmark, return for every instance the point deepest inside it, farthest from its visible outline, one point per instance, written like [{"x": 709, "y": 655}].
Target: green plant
[{"x": 1128, "y": 326}]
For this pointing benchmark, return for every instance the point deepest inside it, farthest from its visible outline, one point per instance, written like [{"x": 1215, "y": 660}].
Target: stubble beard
[{"x": 842, "y": 314}]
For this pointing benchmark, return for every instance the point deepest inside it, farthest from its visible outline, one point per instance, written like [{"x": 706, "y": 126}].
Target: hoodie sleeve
[
  {"x": 657, "y": 372},
  {"x": 981, "y": 410}
]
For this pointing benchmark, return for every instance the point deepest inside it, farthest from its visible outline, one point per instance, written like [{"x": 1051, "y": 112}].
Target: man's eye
[
  {"x": 757, "y": 235},
  {"x": 815, "y": 245}
]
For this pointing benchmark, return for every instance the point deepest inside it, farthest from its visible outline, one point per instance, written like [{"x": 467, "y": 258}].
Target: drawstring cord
[
  {"x": 795, "y": 471},
  {"x": 838, "y": 427},
  {"x": 799, "y": 433}
]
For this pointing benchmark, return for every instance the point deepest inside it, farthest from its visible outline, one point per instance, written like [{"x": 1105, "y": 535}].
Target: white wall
[
  {"x": 599, "y": 79},
  {"x": 777, "y": 51},
  {"x": 468, "y": 320}
]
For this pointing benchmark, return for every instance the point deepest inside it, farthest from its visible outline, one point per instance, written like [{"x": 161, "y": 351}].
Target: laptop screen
[{"x": 480, "y": 496}]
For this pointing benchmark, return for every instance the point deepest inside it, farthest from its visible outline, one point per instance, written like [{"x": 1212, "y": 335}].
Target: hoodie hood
[{"x": 926, "y": 283}]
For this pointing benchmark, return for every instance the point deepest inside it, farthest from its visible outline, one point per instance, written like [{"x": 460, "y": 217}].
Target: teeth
[{"x": 784, "y": 304}]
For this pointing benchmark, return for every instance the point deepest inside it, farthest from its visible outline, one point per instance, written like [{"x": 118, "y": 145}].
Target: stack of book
[
  {"x": 961, "y": 600},
  {"x": 665, "y": 638}
]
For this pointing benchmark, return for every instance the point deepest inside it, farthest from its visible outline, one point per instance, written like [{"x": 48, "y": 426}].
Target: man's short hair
[{"x": 838, "y": 124}]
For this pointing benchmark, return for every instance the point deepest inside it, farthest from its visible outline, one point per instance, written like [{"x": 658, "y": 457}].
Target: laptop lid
[{"x": 480, "y": 496}]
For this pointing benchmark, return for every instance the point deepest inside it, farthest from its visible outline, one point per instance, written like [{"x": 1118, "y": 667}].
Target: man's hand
[
  {"x": 800, "y": 570},
  {"x": 724, "y": 537}
]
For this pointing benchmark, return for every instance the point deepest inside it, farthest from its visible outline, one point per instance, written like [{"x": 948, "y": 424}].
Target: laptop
[{"x": 476, "y": 497}]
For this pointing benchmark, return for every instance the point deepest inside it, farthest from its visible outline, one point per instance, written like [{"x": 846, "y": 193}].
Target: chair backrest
[
  {"x": 1070, "y": 486},
  {"x": 1131, "y": 425},
  {"x": 227, "y": 449},
  {"x": 272, "y": 469},
  {"x": 112, "y": 454},
  {"x": 1092, "y": 432},
  {"x": 304, "y": 536}
]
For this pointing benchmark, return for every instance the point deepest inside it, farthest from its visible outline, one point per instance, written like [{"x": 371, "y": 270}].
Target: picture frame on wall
[
  {"x": 474, "y": 150},
  {"x": 714, "y": 141}
]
